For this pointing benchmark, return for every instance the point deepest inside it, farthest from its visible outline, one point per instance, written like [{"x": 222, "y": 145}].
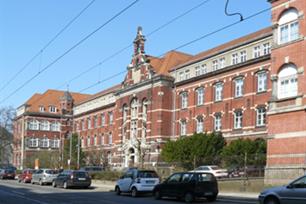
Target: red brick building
[{"x": 251, "y": 87}]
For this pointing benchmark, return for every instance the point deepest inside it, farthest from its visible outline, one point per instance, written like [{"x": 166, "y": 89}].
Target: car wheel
[
  {"x": 271, "y": 200},
  {"x": 212, "y": 198},
  {"x": 134, "y": 192},
  {"x": 54, "y": 184},
  {"x": 19, "y": 181},
  {"x": 65, "y": 185},
  {"x": 157, "y": 195},
  {"x": 117, "y": 190},
  {"x": 188, "y": 197}
]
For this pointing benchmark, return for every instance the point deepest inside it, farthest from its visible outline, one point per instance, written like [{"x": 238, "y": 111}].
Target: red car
[
  {"x": 7, "y": 174},
  {"x": 26, "y": 176}
]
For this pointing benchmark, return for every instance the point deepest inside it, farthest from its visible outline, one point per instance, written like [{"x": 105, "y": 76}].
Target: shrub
[{"x": 107, "y": 175}]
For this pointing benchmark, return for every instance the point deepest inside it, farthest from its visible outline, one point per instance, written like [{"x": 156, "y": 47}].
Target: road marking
[
  {"x": 19, "y": 193},
  {"x": 237, "y": 201}
]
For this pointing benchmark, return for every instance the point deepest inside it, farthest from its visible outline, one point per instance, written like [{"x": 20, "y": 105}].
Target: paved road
[{"x": 12, "y": 192}]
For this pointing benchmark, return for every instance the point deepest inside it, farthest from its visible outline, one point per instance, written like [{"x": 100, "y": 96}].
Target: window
[
  {"x": 88, "y": 141},
  {"x": 287, "y": 81},
  {"x": 203, "y": 69},
  {"x": 110, "y": 116},
  {"x": 54, "y": 143},
  {"x": 235, "y": 58},
  {"x": 134, "y": 109},
  {"x": 33, "y": 125},
  {"x": 41, "y": 109},
  {"x": 222, "y": 62},
  {"x": 218, "y": 123},
  {"x": 239, "y": 87},
  {"x": 33, "y": 142},
  {"x": 243, "y": 56},
  {"x": 218, "y": 91},
  {"x": 83, "y": 142},
  {"x": 134, "y": 129},
  {"x": 110, "y": 138},
  {"x": 197, "y": 71},
  {"x": 184, "y": 100},
  {"x": 95, "y": 140},
  {"x": 266, "y": 48},
  {"x": 44, "y": 125},
  {"x": 183, "y": 128},
  {"x": 200, "y": 124},
  {"x": 52, "y": 109},
  {"x": 45, "y": 143},
  {"x": 124, "y": 113},
  {"x": 102, "y": 139},
  {"x": 144, "y": 110},
  {"x": 88, "y": 123},
  {"x": 261, "y": 116},
  {"x": 200, "y": 96},
  {"x": 181, "y": 76},
  {"x": 102, "y": 119},
  {"x": 215, "y": 65},
  {"x": 95, "y": 121},
  {"x": 187, "y": 74},
  {"x": 109, "y": 157},
  {"x": 261, "y": 81},
  {"x": 288, "y": 29},
  {"x": 238, "y": 119},
  {"x": 256, "y": 51},
  {"x": 55, "y": 126},
  {"x": 83, "y": 124}
]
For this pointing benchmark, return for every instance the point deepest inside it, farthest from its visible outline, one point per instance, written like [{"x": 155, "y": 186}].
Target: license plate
[
  {"x": 208, "y": 193},
  {"x": 82, "y": 179},
  {"x": 150, "y": 182}
]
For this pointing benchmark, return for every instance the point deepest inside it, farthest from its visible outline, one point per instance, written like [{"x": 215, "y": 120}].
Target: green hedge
[{"x": 107, "y": 175}]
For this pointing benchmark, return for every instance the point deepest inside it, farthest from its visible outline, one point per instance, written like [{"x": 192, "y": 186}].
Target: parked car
[
  {"x": 44, "y": 176},
  {"x": 26, "y": 175},
  {"x": 215, "y": 170},
  {"x": 137, "y": 181},
  {"x": 188, "y": 186},
  {"x": 293, "y": 193},
  {"x": 72, "y": 178},
  {"x": 7, "y": 174}
]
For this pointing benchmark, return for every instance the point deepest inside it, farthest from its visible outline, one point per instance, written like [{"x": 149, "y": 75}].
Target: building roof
[
  {"x": 50, "y": 98},
  {"x": 170, "y": 59},
  {"x": 234, "y": 43},
  {"x": 101, "y": 93}
]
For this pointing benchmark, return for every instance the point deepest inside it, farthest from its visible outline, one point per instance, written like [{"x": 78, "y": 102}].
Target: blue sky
[{"x": 26, "y": 26}]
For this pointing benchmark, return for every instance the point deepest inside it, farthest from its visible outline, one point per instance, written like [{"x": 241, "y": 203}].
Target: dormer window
[
  {"x": 41, "y": 109},
  {"x": 288, "y": 29},
  {"x": 52, "y": 109}
]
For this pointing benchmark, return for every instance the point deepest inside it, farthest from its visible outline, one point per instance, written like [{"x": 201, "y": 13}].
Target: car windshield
[
  {"x": 51, "y": 172},
  {"x": 9, "y": 171},
  {"x": 147, "y": 174}
]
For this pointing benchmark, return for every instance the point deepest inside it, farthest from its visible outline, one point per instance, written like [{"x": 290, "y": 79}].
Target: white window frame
[
  {"x": 203, "y": 69},
  {"x": 257, "y": 51},
  {"x": 44, "y": 125},
  {"x": 52, "y": 109},
  {"x": 200, "y": 124},
  {"x": 89, "y": 122},
  {"x": 134, "y": 109},
  {"x": 218, "y": 91},
  {"x": 215, "y": 65},
  {"x": 183, "y": 128},
  {"x": 235, "y": 58},
  {"x": 243, "y": 56},
  {"x": 222, "y": 62},
  {"x": 287, "y": 82},
  {"x": 200, "y": 96},
  {"x": 286, "y": 22},
  {"x": 187, "y": 74},
  {"x": 197, "y": 71},
  {"x": 261, "y": 116},
  {"x": 95, "y": 140},
  {"x": 262, "y": 81},
  {"x": 238, "y": 117},
  {"x": 184, "y": 100},
  {"x": 41, "y": 109},
  {"x": 88, "y": 141},
  {"x": 110, "y": 138},
  {"x": 218, "y": 122},
  {"x": 45, "y": 142},
  {"x": 239, "y": 83},
  {"x": 102, "y": 120},
  {"x": 266, "y": 48},
  {"x": 95, "y": 121}
]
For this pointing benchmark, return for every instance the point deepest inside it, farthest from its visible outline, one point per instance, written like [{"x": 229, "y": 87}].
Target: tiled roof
[
  {"x": 51, "y": 98},
  {"x": 170, "y": 59},
  {"x": 202, "y": 55}
]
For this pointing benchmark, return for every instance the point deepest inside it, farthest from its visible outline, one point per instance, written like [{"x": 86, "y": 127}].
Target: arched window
[
  {"x": 238, "y": 119},
  {"x": 88, "y": 141},
  {"x": 218, "y": 122},
  {"x": 200, "y": 96},
  {"x": 44, "y": 125},
  {"x": 288, "y": 29},
  {"x": 200, "y": 124},
  {"x": 287, "y": 81},
  {"x": 144, "y": 109},
  {"x": 124, "y": 113},
  {"x": 134, "y": 109}
]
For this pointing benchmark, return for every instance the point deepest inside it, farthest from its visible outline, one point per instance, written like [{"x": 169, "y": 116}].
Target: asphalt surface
[{"x": 12, "y": 192}]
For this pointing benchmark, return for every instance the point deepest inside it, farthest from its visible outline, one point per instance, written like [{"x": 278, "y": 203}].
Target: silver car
[
  {"x": 44, "y": 176},
  {"x": 293, "y": 193}
]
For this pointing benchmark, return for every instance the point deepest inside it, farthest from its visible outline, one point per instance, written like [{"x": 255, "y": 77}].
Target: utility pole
[
  {"x": 78, "y": 161},
  {"x": 70, "y": 149}
]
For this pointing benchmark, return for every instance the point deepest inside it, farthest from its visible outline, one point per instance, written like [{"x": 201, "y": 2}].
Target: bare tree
[{"x": 7, "y": 115}]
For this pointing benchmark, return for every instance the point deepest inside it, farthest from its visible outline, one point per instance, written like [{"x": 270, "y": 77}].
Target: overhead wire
[
  {"x": 198, "y": 39},
  {"x": 46, "y": 45},
  {"x": 69, "y": 50}
]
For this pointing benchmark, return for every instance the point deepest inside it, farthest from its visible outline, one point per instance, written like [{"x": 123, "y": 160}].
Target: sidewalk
[{"x": 110, "y": 186}]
